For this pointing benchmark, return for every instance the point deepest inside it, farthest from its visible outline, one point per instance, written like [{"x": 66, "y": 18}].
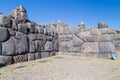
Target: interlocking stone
[{"x": 4, "y": 34}]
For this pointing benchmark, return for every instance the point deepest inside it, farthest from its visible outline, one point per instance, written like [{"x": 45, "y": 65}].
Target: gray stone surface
[
  {"x": 104, "y": 55},
  {"x": 32, "y": 37},
  {"x": 20, "y": 58},
  {"x": 49, "y": 38},
  {"x": 4, "y": 34},
  {"x": 0, "y": 48},
  {"x": 83, "y": 35},
  {"x": 90, "y": 47},
  {"x": 5, "y": 60},
  {"x": 31, "y": 46},
  {"x": 31, "y": 27},
  {"x": 106, "y": 47},
  {"x": 39, "y": 45},
  {"x": 92, "y": 38},
  {"x": 23, "y": 28},
  {"x": 105, "y": 38},
  {"x": 107, "y": 31},
  {"x": 31, "y": 56},
  {"x": 66, "y": 46},
  {"x": 5, "y": 20},
  {"x": 14, "y": 25},
  {"x": 11, "y": 32},
  {"x": 40, "y": 37},
  {"x": 22, "y": 45},
  {"x": 77, "y": 41},
  {"x": 45, "y": 54},
  {"x": 95, "y": 31},
  {"x": 37, "y": 55},
  {"x": 40, "y": 29},
  {"x": 52, "y": 54},
  {"x": 49, "y": 46},
  {"x": 8, "y": 47}
]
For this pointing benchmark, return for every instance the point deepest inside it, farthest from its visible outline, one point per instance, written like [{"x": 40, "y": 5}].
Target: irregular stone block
[
  {"x": 20, "y": 58},
  {"x": 22, "y": 45},
  {"x": 105, "y": 38},
  {"x": 14, "y": 25},
  {"x": 5, "y": 20},
  {"x": 31, "y": 46},
  {"x": 45, "y": 54},
  {"x": 11, "y": 32},
  {"x": 56, "y": 45},
  {"x": 40, "y": 29},
  {"x": 39, "y": 45},
  {"x": 0, "y": 48},
  {"x": 49, "y": 46},
  {"x": 95, "y": 31},
  {"x": 106, "y": 47},
  {"x": 23, "y": 28},
  {"x": 19, "y": 35},
  {"x": 77, "y": 41},
  {"x": 77, "y": 49},
  {"x": 6, "y": 60},
  {"x": 90, "y": 47},
  {"x": 104, "y": 55},
  {"x": 40, "y": 37},
  {"x": 32, "y": 37},
  {"x": 37, "y": 55},
  {"x": 8, "y": 47},
  {"x": 107, "y": 31},
  {"x": 4, "y": 34},
  {"x": 31, "y": 56},
  {"x": 49, "y": 38},
  {"x": 92, "y": 38},
  {"x": 31, "y": 27},
  {"x": 52, "y": 54},
  {"x": 66, "y": 46},
  {"x": 82, "y": 35},
  {"x": 65, "y": 37}
]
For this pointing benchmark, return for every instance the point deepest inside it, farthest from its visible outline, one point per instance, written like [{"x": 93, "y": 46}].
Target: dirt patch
[{"x": 64, "y": 68}]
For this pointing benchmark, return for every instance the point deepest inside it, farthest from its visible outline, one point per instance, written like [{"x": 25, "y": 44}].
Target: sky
[{"x": 71, "y": 12}]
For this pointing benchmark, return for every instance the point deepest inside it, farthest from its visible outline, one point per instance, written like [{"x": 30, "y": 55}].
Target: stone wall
[
  {"x": 80, "y": 41},
  {"x": 24, "y": 40}
]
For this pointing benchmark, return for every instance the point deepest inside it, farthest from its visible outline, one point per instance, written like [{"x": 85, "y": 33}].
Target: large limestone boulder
[
  {"x": 49, "y": 46},
  {"x": 8, "y": 47},
  {"x": 90, "y": 47},
  {"x": 31, "y": 56},
  {"x": 4, "y": 34},
  {"x": 66, "y": 46},
  {"x": 20, "y": 58},
  {"x": 77, "y": 41},
  {"x": 39, "y": 45},
  {"x": 22, "y": 45},
  {"x": 106, "y": 47},
  {"x": 45, "y": 54},
  {"x": 5, "y": 60}
]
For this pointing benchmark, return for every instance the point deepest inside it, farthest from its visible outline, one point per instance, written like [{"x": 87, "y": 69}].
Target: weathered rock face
[
  {"x": 8, "y": 47},
  {"x": 4, "y": 34},
  {"x": 23, "y": 40}
]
